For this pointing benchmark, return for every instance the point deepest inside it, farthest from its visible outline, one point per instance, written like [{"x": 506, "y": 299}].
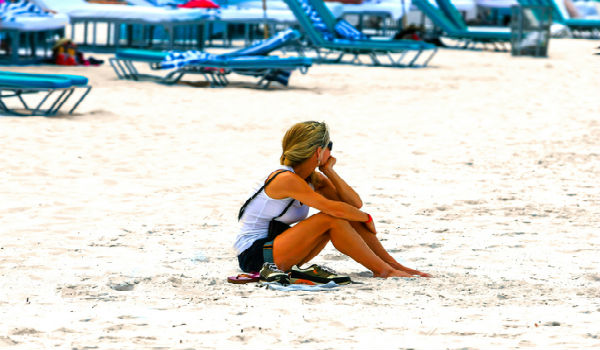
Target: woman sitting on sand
[{"x": 287, "y": 195}]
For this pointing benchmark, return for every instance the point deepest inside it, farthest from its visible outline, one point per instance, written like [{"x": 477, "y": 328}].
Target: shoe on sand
[
  {"x": 271, "y": 273},
  {"x": 320, "y": 274}
]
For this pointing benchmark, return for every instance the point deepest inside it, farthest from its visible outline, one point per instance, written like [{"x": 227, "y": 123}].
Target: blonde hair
[{"x": 301, "y": 141}]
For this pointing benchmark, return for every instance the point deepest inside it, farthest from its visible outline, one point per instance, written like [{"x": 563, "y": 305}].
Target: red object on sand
[
  {"x": 70, "y": 61},
  {"x": 205, "y": 4},
  {"x": 244, "y": 278},
  {"x": 60, "y": 59}
]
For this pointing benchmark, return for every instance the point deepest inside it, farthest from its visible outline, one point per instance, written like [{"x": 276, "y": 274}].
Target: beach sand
[{"x": 117, "y": 223}]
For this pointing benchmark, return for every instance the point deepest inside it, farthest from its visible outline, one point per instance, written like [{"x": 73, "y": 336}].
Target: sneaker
[
  {"x": 271, "y": 273},
  {"x": 320, "y": 274}
]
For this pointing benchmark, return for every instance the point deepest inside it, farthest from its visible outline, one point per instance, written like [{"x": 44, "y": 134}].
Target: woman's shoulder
[{"x": 282, "y": 171}]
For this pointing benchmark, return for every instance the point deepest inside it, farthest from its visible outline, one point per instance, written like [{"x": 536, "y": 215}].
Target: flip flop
[{"x": 244, "y": 278}]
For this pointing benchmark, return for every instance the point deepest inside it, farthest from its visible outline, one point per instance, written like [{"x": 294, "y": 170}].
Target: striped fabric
[
  {"x": 266, "y": 46},
  {"x": 9, "y": 11},
  {"x": 346, "y": 31},
  {"x": 316, "y": 20},
  {"x": 179, "y": 59}
]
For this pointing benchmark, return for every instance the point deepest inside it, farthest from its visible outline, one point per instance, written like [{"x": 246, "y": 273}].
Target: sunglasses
[{"x": 330, "y": 145}]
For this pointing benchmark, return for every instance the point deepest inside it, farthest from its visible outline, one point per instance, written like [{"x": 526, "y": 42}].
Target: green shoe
[
  {"x": 271, "y": 273},
  {"x": 319, "y": 274}
]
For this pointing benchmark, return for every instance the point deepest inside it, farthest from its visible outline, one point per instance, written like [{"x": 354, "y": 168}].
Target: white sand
[{"x": 481, "y": 169}]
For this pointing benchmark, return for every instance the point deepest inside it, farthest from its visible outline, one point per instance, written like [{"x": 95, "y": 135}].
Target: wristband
[{"x": 370, "y": 218}]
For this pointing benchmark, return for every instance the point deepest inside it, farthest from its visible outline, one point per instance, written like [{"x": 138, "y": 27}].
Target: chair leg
[{"x": 14, "y": 42}]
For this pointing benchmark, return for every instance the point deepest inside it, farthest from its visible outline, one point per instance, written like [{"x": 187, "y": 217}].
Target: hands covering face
[{"x": 327, "y": 163}]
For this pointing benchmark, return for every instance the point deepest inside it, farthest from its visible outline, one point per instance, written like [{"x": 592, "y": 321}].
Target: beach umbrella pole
[{"x": 266, "y": 28}]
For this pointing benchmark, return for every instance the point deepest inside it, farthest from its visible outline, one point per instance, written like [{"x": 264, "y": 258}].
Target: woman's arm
[
  {"x": 291, "y": 185},
  {"x": 344, "y": 192}
]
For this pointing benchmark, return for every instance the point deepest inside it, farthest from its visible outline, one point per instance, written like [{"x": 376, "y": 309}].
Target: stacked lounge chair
[
  {"x": 447, "y": 18},
  {"x": 337, "y": 39},
  {"x": 580, "y": 27},
  {"x": 251, "y": 60},
  {"x": 27, "y": 21},
  {"x": 120, "y": 17},
  {"x": 39, "y": 94}
]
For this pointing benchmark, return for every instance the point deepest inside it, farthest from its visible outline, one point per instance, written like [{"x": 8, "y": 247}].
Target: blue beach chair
[
  {"x": 251, "y": 60},
  {"x": 56, "y": 90},
  {"x": 580, "y": 27},
  {"x": 29, "y": 30},
  {"x": 452, "y": 26},
  {"x": 321, "y": 29},
  {"x": 121, "y": 19}
]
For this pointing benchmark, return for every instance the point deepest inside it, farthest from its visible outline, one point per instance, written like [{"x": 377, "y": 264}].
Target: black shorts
[{"x": 253, "y": 258}]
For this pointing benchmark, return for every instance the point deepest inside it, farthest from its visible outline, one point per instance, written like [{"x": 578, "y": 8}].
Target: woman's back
[{"x": 261, "y": 210}]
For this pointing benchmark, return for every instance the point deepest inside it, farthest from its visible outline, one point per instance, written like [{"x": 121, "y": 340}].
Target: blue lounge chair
[
  {"x": 120, "y": 20},
  {"x": 28, "y": 27},
  {"x": 321, "y": 28},
  {"x": 251, "y": 60},
  {"x": 452, "y": 26},
  {"x": 578, "y": 26},
  {"x": 57, "y": 89}
]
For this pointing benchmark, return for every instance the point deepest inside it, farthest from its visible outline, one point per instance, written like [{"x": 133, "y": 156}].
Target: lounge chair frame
[
  {"x": 49, "y": 105},
  {"x": 579, "y": 27},
  {"x": 330, "y": 52},
  {"x": 114, "y": 32},
  {"x": 32, "y": 38},
  {"x": 334, "y": 56},
  {"x": 461, "y": 36},
  {"x": 214, "y": 74}
]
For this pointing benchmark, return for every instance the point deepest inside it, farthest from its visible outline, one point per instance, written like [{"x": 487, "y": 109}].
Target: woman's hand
[
  {"x": 328, "y": 164},
  {"x": 370, "y": 226}
]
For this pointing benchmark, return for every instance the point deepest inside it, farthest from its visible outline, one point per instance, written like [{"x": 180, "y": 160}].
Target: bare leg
[
  {"x": 375, "y": 244},
  {"x": 315, "y": 251},
  {"x": 298, "y": 243}
]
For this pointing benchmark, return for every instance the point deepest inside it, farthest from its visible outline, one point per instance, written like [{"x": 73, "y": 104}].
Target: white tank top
[{"x": 261, "y": 210}]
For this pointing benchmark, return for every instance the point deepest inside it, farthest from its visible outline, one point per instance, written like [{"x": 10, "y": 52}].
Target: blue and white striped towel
[
  {"x": 301, "y": 287},
  {"x": 316, "y": 19},
  {"x": 347, "y": 31},
  {"x": 178, "y": 59},
  {"x": 10, "y": 11},
  {"x": 265, "y": 46}
]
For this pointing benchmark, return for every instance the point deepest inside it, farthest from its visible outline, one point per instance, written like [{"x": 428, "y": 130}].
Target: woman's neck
[{"x": 304, "y": 169}]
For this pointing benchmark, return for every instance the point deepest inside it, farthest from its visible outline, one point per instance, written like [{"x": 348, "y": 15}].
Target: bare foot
[
  {"x": 423, "y": 274},
  {"x": 398, "y": 273}
]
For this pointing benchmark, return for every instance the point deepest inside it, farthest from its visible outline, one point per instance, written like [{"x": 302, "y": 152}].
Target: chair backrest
[
  {"x": 264, "y": 47},
  {"x": 557, "y": 15},
  {"x": 314, "y": 35},
  {"x": 452, "y": 13},
  {"x": 437, "y": 16},
  {"x": 325, "y": 14}
]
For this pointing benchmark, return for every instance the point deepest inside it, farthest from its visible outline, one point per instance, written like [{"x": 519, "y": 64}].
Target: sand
[{"x": 117, "y": 223}]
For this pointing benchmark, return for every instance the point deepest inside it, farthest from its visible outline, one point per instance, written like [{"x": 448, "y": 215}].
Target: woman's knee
[{"x": 332, "y": 221}]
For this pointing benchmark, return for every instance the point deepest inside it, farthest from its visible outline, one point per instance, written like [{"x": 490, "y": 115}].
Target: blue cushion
[
  {"x": 346, "y": 31},
  {"x": 24, "y": 80}
]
